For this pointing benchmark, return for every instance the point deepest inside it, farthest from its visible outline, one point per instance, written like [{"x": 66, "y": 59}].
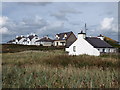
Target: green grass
[
  {"x": 55, "y": 69},
  {"x": 12, "y": 48}
]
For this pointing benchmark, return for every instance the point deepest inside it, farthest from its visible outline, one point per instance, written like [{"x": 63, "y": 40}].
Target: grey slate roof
[
  {"x": 61, "y": 35},
  {"x": 24, "y": 40},
  {"x": 45, "y": 39},
  {"x": 11, "y": 41},
  {"x": 32, "y": 36},
  {"x": 19, "y": 38},
  {"x": 98, "y": 43}
]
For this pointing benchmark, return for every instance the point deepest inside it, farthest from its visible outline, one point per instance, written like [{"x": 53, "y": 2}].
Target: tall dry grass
[{"x": 55, "y": 69}]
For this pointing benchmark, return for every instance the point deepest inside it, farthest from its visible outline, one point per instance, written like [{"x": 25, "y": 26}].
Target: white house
[
  {"x": 25, "y": 40},
  {"x": 12, "y": 41},
  {"x": 89, "y": 45},
  {"x": 45, "y": 41},
  {"x": 31, "y": 39},
  {"x": 64, "y": 39}
]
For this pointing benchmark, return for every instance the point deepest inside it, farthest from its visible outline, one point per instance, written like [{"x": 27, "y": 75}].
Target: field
[{"x": 55, "y": 69}]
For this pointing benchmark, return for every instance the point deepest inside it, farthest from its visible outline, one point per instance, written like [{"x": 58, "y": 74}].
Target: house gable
[{"x": 63, "y": 36}]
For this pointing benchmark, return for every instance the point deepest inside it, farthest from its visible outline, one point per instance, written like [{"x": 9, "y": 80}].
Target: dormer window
[
  {"x": 65, "y": 36},
  {"x": 57, "y": 37}
]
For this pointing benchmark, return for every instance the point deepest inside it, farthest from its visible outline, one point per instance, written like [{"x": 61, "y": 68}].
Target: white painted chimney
[
  {"x": 81, "y": 35},
  {"x": 21, "y": 35},
  {"x": 101, "y": 37}
]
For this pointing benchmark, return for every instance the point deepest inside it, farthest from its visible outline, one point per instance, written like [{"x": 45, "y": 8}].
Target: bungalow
[
  {"x": 19, "y": 39},
  {"x": 11, "y": 42},
  {"x": 89, "y": 45},
  {"x": 64, "y": 39},
  {"x": 25, "y": 40},
  {"x": 45, "y": 41},
  {"x": 31, "y": 39}
]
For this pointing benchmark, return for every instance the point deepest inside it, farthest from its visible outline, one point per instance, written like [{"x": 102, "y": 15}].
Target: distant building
[
  {"x": 89, "y": 45},
  {"x": 45, "y": 41},
  {"x": 64, "y": 39},
  {"x": 25, "y": 40},
  {"x": 12, "y": 41}
]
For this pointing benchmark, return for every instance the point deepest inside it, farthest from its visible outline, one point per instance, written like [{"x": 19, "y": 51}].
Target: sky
[{"x": 50, "y": 18}]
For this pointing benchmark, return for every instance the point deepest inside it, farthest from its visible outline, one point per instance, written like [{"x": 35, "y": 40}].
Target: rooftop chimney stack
[
  {"x": 101, "y": 37},
  {"x": 81, "y": 35}
]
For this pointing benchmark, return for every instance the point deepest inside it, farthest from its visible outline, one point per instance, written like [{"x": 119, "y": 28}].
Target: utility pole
[{"x": 86, "y": 29}]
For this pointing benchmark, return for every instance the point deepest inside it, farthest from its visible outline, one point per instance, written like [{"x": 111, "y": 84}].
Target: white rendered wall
[
  {"x": 21, "y": 41},
  {"x": 59, "y": 43},
  {"x": 34, "y": 40},
  {"x": 82, "y": 47}
]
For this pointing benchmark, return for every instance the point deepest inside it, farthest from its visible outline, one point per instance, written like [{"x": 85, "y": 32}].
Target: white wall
[
  {"x": 44, "y": 43},
  {"x": 107, "y": 50},
  {"x": 21, "y": 41},
  {"x": 59, "y": 43},
  {"x": 82, "y": 47},
  {"x": 34, "y": 40}
]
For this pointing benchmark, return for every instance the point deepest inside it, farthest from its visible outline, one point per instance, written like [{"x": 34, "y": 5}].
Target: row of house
[
  {"x": 31, "y": 39},
  {"x": 61, "y": 39},
  {"x": 73, "y": 45}
]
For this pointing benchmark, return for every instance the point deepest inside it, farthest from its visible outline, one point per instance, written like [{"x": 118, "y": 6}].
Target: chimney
[
  {"x": 21, "y": 35},
  {"x": 101, "y": 37},
  {"x": 33, "y": 34},
  {"x": 46, "y": 36},
  {"x": 81, "y": 35}
]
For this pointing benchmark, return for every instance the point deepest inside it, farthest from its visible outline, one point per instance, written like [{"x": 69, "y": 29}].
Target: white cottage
[
  {"x": 31, "y": 39},
  {"x": 89, "y": 45},
  {"x": 45, "y": 41}
]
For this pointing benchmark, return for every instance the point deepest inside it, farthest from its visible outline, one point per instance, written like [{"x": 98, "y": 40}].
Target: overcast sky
[{"x": 50, "y": 18}]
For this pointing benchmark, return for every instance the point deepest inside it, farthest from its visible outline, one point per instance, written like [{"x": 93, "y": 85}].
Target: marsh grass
[{"x": 55, "y": 69}]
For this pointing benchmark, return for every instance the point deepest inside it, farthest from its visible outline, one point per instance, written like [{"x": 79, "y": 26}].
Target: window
[
  {"x": 63, "y": 43},
  {"x": 109, "y": 50},
  {"x": 74, "y": 48},
  {"x": 57, "y": 43},
  {"x": 103, "y": 50}
]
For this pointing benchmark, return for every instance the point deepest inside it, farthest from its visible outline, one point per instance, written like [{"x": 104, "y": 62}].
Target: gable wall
[{"x": 82, "y": 47}]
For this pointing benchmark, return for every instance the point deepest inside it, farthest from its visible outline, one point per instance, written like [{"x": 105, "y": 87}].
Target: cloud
[
  {"x": 36, "y": 24},
  {"x": 72, "y": 11},
  {"x": 61, "y": 15},
  {"x": 35, "y": 3},
  {"x": 3, "y": 20},
  {"x": 4, "y": 30},
  {"x": 108, "y": 24},
  {"x": 52, "y": 28}
]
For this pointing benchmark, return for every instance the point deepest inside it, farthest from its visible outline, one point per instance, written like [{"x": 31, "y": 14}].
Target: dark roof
[
  {"x": 45, "y": 39},
  {"x": 81, "y": 32},
  {"x": 11, "y": 41},
  {"x": 32, "y": 36},
  {"x": 24, "y": 40},
  {"x": 98, "y": 43},
  {"x": 100, "y": 35},
  {"x": 19, "y": 38},
  {"x": 61, "y": 35},
  {"x": 69, "y": 44}
]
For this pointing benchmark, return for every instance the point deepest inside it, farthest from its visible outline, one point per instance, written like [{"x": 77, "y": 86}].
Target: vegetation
[
  {"x": 112, "y": 42},
  {"x": 12, "y": 48},
  {"x": 55, "y": 69}
]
